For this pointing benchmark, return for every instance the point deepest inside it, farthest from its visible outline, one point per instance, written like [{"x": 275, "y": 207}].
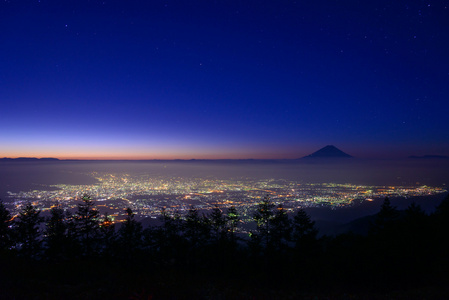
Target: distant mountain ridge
[
  {"x": 29, "y": 159},
  {"x": 329, "y": 151},
  {"x": 429, "y": 156}
]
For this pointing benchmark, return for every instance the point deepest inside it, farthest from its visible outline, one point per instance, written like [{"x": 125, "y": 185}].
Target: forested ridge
[{"x": 84, "y": 255}]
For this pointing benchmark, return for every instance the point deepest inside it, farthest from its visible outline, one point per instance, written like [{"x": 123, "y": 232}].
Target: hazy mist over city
[{"x": 357, "y": 171}]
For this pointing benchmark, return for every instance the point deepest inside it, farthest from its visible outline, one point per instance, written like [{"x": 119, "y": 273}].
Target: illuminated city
[{"x": 148, "y": 195}]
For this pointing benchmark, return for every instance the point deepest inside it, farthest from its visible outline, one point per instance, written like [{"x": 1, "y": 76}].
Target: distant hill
[
  {"x": 329, "y": 151},
  {"x": 49, "y": 159},
  {"x": 29, "y": 159},
  {"x": 429, "y": 156},
  {"x": 26, "y": 159},
  {"x": 359, "y": 226}
]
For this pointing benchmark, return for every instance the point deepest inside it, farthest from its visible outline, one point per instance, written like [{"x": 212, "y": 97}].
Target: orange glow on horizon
[
  {"x": 171, "y": 156},
  {"x": 95, "y": 151}
]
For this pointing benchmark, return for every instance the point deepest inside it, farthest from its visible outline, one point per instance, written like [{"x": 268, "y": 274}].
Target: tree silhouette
[
  {"x": 86, "y": 222},
  {"x": 196, "y": 228},
  {"x": 385, "y": 218},
  {"x": 414, "y": 225},
  {"x": 413, "y": 239},
  {"x": 5, "y": 231},
  {"x": 108, "y": 235},
  {"x": 168, "y": 239},
  {"x": 262, "y": 216},
  {"x": 218, "y": 224},
  {"x": 232, "y": 218},
  {"x": 442, "y": 210},
  {"x": 56, "y": 239},
  {"x": 411, "y": 244},
  {"x": 440, "y": 228},
  {"x": 28, "y": 235},
  {"x": 304, "y": 231},
  {"x": 130, "y": 234},
  {"x": 414, "y": 213},
  {"x": 280, "y": 229},
  {"x": 440, "y": 220}
]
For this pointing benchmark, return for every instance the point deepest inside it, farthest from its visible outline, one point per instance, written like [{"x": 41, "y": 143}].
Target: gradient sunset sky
[{"x": 223, "y": 79}]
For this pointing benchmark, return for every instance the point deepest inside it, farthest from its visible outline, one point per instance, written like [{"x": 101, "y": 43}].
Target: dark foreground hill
[{"x": 202, "y": 257}]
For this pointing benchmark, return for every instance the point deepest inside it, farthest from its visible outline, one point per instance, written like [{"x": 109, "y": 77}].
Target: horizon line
[
  {"x": 304, "y": 158},
  {"x": 134, "y": 159}
]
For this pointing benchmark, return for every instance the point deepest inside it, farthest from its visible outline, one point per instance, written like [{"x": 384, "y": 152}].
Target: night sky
[{"x": 223, "y": 79}]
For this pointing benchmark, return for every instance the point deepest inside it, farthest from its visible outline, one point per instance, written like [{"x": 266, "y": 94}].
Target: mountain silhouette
[
  {"x": 28, "y": 159},
  {"x": 329, "y": 151},
  {"x": 429, "y": 156}
]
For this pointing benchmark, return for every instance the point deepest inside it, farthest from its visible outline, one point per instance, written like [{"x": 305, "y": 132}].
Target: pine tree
[
  {"x": 108, "y": 235},
  {"x": 196, "y": 228},
  {"x": 5, "y": 230},
  {"x": 28, "y": 234},
  {"x": 385, "y": 218},
  {"x": 414, "y": 232},
  {"x": 86, "y": 221},
  {"x": 168, "y": 239},
  {"x": 442, "y": 210},
  {"x": 439, "y": 230},
  {"x": 56, "y": 233},
  {"x": 304, "y": 231},
  {"x": 414, "y": 213},
  {"x": 415, "y": 223},
  {"x": 233, "y": 219},
  {"x": 130, "y": 234},
  {"x": 263, "y": 216},
  {"x": 218, "y": 223},
  {"x": 280, "y": 229}
]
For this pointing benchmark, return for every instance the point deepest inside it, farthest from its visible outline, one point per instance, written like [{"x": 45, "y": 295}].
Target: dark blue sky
[{"x": 223, "y": 79}]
